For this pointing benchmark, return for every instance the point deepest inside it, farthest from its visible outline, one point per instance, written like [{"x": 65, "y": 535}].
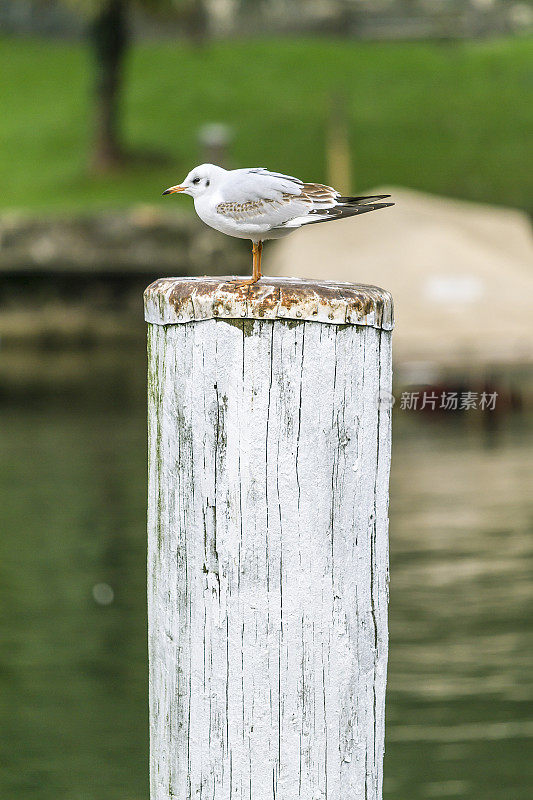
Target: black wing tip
[
  {"x": 343, "y": 211},
  {"x": 371, "y": 207},
  {"x": 364, "y": 199},
  {"x": 358, "y": 208}
]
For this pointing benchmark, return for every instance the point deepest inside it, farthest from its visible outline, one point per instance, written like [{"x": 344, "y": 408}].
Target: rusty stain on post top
[{"x": 170, "y": 301}]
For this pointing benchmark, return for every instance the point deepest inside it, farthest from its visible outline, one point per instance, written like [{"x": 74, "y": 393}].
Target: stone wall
[
  {"x": 142, "y": 241},
  {"x": 63, "y": 275}
]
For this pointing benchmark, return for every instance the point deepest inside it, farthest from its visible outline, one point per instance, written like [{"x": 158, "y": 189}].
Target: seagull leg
[{"x": 257, "y": 249}]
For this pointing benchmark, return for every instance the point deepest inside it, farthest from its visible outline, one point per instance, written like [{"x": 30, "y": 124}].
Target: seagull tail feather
[{"x": 363, "y": 200}]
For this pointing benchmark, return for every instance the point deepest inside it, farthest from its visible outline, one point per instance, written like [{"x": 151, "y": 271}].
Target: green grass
[{"x": 447, "y": 118}]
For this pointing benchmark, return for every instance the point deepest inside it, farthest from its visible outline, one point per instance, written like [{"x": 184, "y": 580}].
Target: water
[
  {"x": 73, "y": 680},
  {"x": 460, "y": 717}
]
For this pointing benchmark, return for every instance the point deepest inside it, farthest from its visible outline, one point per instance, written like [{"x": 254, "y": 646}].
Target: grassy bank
[{"x": 446, "y": 118}]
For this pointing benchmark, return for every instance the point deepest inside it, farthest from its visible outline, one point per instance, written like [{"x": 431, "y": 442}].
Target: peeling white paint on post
[{"x": 269, "y": 457}]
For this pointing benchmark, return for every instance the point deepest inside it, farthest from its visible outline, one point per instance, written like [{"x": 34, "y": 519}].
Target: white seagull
[{"x": 258, "y": 204}]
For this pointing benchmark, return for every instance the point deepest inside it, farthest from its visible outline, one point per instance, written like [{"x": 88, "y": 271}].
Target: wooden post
[{"x": 269, "y": 451}]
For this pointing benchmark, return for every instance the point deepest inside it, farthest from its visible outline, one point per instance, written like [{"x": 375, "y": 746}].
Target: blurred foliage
[
  {"x": 92, "y": 7},
  {"x": 446, "y": 118}
]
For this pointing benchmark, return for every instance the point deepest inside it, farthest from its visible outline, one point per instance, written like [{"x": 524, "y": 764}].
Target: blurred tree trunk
[
  {"x": 109, "y": 37},
  {"x": 196, "y": 22}
]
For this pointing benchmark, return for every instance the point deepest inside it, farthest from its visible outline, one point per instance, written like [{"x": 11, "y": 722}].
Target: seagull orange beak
[{"x": 174, "y": 189}]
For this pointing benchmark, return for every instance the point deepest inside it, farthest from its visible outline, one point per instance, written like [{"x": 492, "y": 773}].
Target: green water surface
[{"x": 73, "y": 670}]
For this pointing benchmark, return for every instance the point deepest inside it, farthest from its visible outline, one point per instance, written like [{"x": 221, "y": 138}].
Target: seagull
[{"x": 258, "y": 204}]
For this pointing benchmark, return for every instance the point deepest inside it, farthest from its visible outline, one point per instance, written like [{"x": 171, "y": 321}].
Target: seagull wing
[
  {"x": 276, "y": 201},
  {"x": 327, "y": 205},
  {"x": 260, "y": 197}
]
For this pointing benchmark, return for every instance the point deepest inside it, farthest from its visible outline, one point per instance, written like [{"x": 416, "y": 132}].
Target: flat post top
[{"x": 171, "y": 301}]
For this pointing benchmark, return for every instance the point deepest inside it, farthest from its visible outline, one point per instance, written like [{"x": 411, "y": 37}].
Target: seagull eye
[
  {"x": 196, "y": 180},
  {"x": 207, "y": 183}
]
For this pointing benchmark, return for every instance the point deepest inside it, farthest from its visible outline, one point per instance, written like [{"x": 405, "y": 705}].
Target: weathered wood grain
[{"x": 269, "y": 457}]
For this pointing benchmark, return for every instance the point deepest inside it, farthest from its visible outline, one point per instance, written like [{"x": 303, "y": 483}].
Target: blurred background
[{"x": 104, "y": 104}]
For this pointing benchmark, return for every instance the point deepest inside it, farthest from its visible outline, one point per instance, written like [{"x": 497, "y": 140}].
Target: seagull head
[{"x": 199, "y": 181}]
